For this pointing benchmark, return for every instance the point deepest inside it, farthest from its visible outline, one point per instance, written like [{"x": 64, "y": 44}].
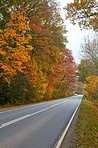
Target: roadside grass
[{"x": 87, "y": 128}]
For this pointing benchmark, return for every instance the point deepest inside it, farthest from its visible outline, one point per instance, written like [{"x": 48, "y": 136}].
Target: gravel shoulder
[{"x": 71, "y": 136}]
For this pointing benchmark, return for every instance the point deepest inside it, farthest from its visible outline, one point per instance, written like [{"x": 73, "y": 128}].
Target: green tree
[{"x": 86, "y": 68}]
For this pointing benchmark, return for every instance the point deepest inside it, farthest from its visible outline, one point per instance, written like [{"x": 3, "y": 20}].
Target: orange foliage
[
  {"x": 14, "y": 49},
  {"x": 63, "y": 77},
  {"x": 33, "y": 60},
  {"x": 91, "y": 88}
]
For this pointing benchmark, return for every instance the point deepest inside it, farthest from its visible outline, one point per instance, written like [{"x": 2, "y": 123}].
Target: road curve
[{"x": 36, "y": 126}]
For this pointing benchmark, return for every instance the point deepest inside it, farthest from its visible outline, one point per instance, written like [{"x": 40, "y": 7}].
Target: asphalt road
[{"x": 36, "y": 126}]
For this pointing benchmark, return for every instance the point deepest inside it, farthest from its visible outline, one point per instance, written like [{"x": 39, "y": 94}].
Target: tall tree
[
  {"x": 48, "y": 39},
  {"x": 71, "y": 71},
  {"x": 85, "y": 69},
  {"x": 63, "y": 80},
  {"x": 14, "y": 49},
  {"x": 32, "y": 54}
]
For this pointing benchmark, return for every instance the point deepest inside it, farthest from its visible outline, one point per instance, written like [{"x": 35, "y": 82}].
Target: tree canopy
[
  {"x": 85, "y": 69},
  {"x": 85, "y": 12},
  {"x": 35, "y": 65}
]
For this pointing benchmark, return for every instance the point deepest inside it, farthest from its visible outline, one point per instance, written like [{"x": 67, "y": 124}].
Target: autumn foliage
[
  {"x": 91, "y": 88},
  {"x": 35, "y": 65},
  {"x": 15, "y": 48},
  {"x": 88, "y": 75},
  {"x": 84, "y": 12}
]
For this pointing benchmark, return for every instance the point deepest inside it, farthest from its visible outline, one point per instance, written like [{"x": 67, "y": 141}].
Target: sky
[{"x": 75, "y": 36}]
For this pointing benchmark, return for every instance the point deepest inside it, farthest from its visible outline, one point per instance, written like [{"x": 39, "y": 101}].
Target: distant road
[{"x": 36, "y": 126}]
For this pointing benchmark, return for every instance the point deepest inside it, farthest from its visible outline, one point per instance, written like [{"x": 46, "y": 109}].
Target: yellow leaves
[
  {"x": 6, "y": 79},
  {"x": 1, "y": 31},
  {"x": 2, "y": 52},
  {"x": 92, "y": 78},
  {"x": 15, "y": 45},
  {"x": 18, "y": 44},
  {"x": 10, "y": 33},
  {"x": 29, "y": 47},
  {"x": 91, "y": 89},
  {"x": 2, "y": 40},
  {"x": 4, "y": 67},
  {"x": 29, "y": 37}
]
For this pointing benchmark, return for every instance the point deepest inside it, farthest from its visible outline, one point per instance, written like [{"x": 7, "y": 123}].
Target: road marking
[
  {"x": 67, "y": 127},
  {"x": 29, "y": 115},
  {"x": 26, "y": 107},
  {"x": 21, "y": 108}
]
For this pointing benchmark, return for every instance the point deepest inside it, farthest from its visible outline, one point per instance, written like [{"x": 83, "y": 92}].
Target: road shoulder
[{"x": 71, "y": 136}]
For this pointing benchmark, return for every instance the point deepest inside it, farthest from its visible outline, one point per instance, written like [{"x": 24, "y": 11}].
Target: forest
[
  {"x": 35, "y": 64},
  {"x": 85, "y": 13}
]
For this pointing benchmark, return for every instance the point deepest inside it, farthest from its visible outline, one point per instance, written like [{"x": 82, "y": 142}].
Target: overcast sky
[{"x": 75, "y": 36}]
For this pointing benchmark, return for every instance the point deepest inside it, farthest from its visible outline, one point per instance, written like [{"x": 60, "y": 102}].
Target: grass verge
[{"x": 87, "y": 129}]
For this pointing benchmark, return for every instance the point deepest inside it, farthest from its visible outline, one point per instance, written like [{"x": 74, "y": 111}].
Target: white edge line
[
  {"x": 67, "y": 127},
  {"x": 19, "y": 108}
]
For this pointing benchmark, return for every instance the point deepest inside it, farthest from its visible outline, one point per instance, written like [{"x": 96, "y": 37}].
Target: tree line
[
  {"x": 85, "y": 13},
  {"x": 35, "y": 64},
  {"x": 88, "y": 68}
]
